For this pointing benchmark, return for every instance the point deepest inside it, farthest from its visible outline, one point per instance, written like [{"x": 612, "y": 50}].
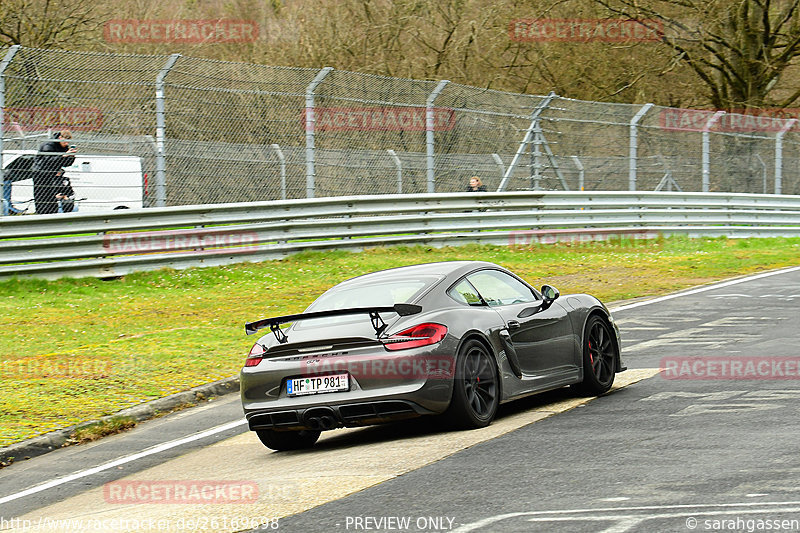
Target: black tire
[
  {"x": 287, "y": 440},
  {"x": 599, "y": 358},
  {"x": 476, "y": 390}
]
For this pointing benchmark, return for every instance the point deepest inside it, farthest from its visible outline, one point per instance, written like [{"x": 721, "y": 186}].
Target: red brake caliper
[{"x": 591, "y": 359}]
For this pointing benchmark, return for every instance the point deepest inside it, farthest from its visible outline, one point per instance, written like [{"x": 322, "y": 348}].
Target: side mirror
[{"x": 549, "y": 293}]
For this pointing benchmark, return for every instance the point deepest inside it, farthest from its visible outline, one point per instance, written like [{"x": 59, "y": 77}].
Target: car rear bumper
[
  {"x": 324, "y": 417},
  {"x": 382, "y": 387}
]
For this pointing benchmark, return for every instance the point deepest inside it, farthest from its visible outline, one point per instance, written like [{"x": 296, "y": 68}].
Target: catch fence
[{"x": 210, "y": 131}]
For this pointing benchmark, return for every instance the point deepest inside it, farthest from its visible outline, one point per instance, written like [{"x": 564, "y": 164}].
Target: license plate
[{"x": 317, "y": 384}]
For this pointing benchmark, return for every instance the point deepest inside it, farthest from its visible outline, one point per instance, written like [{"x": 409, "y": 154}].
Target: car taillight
[
  {"x": 421, "y": 335},
  {"x": 255, "y": 356}
]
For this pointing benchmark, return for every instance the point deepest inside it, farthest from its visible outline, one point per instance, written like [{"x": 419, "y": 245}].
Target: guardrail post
[
  {"x": 161, "y": 130},
  {"x": 282, "y": 159},
  {"x": 526, "y": 139},
  {"x": 430, "y": 125},
  {"x": 3, "y": 66},
  {"x": 311, "y": 122},
  {"x": 399, "y": 165},
  {"x": 707, "y": 148},
  {"x": 634, "y": 146},
  {"x": 779, "y": 154}
]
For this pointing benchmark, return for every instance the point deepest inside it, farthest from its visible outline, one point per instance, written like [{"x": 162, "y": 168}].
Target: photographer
[{"x": 50, "y": 186}]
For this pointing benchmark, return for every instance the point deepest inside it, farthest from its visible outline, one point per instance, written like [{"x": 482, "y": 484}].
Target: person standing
[
  {"x": 49, "y": 183},
  {"x": 476, "y": 185},
  {"x": 18, "y": 170}
]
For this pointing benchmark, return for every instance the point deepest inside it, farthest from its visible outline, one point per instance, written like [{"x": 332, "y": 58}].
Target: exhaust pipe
[
  {"x": 327, "y": 422},
  {"x": 320, "y": 419}
]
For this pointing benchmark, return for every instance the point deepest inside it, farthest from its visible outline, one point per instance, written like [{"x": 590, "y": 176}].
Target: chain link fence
[{"x": 204, "y": 131}]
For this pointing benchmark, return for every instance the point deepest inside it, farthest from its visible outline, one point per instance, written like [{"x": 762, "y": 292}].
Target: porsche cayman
[{"x": 454, "y": 339}]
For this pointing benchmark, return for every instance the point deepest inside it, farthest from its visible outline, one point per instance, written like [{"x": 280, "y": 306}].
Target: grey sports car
[{"x": 453, "y": 339}]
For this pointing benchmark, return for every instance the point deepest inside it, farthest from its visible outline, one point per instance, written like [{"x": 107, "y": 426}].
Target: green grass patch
[{"x": 76, "y": 349}]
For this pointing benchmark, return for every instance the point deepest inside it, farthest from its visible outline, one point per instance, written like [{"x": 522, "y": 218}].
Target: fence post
[
  {"x": 526, "y": 139},
  {"x": 310, "y": 127},
  {"x": 536, "y": 158},
  {"x": 500, "y": 164},
  {"x": 763, "y": 173},
  {"x": 779, "y": 154},
  {"x": 161, "y": 129},
  {"x": 634, "y": 146},
  {"x": 707, "y": 148},
  {"x": 282, "y": 159},
  {"x": 430, "y": 124},
  {"x": 581, "y": 171},
  {"x": 399, "y": 166},
  {"x": 3, "y": 66}
]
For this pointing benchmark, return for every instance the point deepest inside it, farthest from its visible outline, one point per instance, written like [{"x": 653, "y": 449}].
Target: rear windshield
[{"x": 373, "y": 293}]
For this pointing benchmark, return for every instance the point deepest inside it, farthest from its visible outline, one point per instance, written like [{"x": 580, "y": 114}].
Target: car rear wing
[{"x": 274, "y": 323}]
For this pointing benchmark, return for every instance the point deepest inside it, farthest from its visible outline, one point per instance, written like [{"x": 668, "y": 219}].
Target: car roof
[{"x": 442, "y": 268}]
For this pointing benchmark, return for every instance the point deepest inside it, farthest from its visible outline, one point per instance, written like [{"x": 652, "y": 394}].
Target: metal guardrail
[
  {"x": 268, "y": 132},
  {"x": 125, "y": 241}
]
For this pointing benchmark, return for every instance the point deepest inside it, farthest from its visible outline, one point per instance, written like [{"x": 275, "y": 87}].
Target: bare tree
[
  {"x": 739, "y": 49},
  {"x": 49, "y": 23}
]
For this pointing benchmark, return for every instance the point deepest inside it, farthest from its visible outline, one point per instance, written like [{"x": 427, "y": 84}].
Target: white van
[{"x": 100, "y": 182}]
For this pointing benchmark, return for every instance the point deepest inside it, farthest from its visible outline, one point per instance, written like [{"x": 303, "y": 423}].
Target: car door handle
[{"x": 513, "y": 324}]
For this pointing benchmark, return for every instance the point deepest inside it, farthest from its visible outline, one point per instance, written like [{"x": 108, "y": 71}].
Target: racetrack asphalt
[{"x": 639, "y": 459}]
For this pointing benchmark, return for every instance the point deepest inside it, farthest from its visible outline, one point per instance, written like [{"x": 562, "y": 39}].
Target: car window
[
  {"x": 384, "y": 293},
  {"x": 498, "y": 288},
  {"x": 371, "y": 295},
  {"x": 463, "y": 292}
]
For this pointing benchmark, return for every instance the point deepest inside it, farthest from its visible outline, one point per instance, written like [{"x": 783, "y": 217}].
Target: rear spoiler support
[
  {"x": 279, "y": 334},
  {"x": 378, "y": 324}
]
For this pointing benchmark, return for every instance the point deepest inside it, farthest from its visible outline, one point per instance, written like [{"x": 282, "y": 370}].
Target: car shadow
[{"x": 429, "y": 425}]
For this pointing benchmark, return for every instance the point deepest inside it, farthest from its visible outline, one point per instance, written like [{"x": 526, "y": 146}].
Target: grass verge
[
  {"x": 96, "y": 430},
  {"x": 77, "y": 349}
]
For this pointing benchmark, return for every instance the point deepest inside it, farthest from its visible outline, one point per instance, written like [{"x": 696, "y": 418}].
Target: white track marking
[
  {"x": 678, "y": 511},
  {"x": 705, "y": 288},
  {"x": 122, "y": 460}
]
